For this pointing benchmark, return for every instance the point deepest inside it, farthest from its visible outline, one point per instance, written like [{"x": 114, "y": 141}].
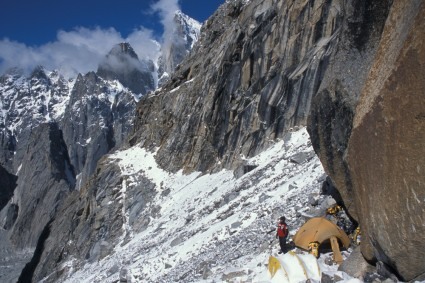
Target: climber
[{"x": 282, "y": 234}]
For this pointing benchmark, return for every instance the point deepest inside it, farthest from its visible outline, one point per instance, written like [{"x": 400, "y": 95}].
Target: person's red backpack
[{"x": 282, "y": 228}]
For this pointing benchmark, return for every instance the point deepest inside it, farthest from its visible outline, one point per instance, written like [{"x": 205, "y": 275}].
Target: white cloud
[
  {"x": 166, "y": 10},
  {"x": 76, "y": 51},
  {"x": 80, "y": 50},
  {"x": 143, "y": 43}
]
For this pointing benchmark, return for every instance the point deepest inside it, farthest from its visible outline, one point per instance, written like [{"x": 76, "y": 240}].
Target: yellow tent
[{"x": 319, "y": 230}]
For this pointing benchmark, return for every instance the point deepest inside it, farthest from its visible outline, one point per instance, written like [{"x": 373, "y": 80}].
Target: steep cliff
[
  {"x": 334, "y": 104},
  {"x": 45, "y": 159},
  {"x": 178, "y": 42},
  {"x": 96, "y": 108},
  {"x": 250, "y": 78},
  {"x": 25, "y": 103}
]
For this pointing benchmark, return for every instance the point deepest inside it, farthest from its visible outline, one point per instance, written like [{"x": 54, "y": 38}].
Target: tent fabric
[
  {"x": 319, "y": 229},
  {"x": 293, "y": 268},
  {"x": 274, "y": 265}
]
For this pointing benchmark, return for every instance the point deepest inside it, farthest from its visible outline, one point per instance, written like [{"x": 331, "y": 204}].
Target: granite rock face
[
  {"x": 34, "y": 203},
  {"x": 25, "y": 103},
  {"x": 95, "y": 220},
  {"x": 178, "y": 42},
  {"x": 333, "y": 106},
  {"x": 368, "y": 132},
  {"x": 249, "y": 79},
  {"x": 93, "y": 111}
]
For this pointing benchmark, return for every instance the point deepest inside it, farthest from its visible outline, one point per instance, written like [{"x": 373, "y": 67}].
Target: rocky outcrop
[
  {"x": 7, "y": 146},
  {"x": 102, "y": 215},
  {"x": 95, "y": 110},
  {"x": 25, "y": 103},
  {"x": 249, "y": 79},
  {"x": 370, "y": 144},
  {"x": 333, "y": 106},
  {"x": 36, "y": 202}
]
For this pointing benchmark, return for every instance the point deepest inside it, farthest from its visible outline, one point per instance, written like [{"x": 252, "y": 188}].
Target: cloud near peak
[{"x": 82, "y": 49}]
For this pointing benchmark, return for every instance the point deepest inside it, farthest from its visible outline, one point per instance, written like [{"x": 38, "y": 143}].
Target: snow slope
[{"x": 212, "y": 227}]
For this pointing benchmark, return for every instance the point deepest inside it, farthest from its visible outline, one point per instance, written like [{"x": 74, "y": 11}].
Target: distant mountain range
[{"x": 81, "y": 118}]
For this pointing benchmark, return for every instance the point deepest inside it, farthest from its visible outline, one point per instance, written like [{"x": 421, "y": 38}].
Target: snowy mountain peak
[
  {"x": 187, "y": 28},
  {"x": 177, "y": 45}
]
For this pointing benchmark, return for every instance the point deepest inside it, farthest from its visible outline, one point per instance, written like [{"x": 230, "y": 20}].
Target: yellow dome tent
[{"x": 319, "y": 230}]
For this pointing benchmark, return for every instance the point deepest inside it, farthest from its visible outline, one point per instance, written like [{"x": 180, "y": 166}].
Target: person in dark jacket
[{"x": 282, "y": 234}]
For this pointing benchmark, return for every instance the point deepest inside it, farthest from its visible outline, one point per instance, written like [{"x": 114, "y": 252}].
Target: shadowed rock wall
[
  {"x": 371, "y": 144},
  {"x": 7, "y": 186},
  {"x": 387, "y": 146},
  {"x": 35, "y": 203}
]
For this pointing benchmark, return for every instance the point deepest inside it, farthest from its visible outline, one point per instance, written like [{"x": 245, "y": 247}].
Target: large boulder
[
  {"x": 333, "y": 106},
  {"x": 387, "y": 146},
  {"x": 367, "y": 127}
]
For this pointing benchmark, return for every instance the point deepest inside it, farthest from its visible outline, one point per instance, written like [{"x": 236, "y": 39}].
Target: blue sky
[
  {"x": 73, "y": 36},
  {"x": 37, "y": 22}
]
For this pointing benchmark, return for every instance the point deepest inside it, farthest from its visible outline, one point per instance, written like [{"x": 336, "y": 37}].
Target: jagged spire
[{"x": 123, "y": 64}]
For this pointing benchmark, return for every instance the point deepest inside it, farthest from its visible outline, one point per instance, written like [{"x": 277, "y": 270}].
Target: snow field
[{"x": 212, "y": 227}]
